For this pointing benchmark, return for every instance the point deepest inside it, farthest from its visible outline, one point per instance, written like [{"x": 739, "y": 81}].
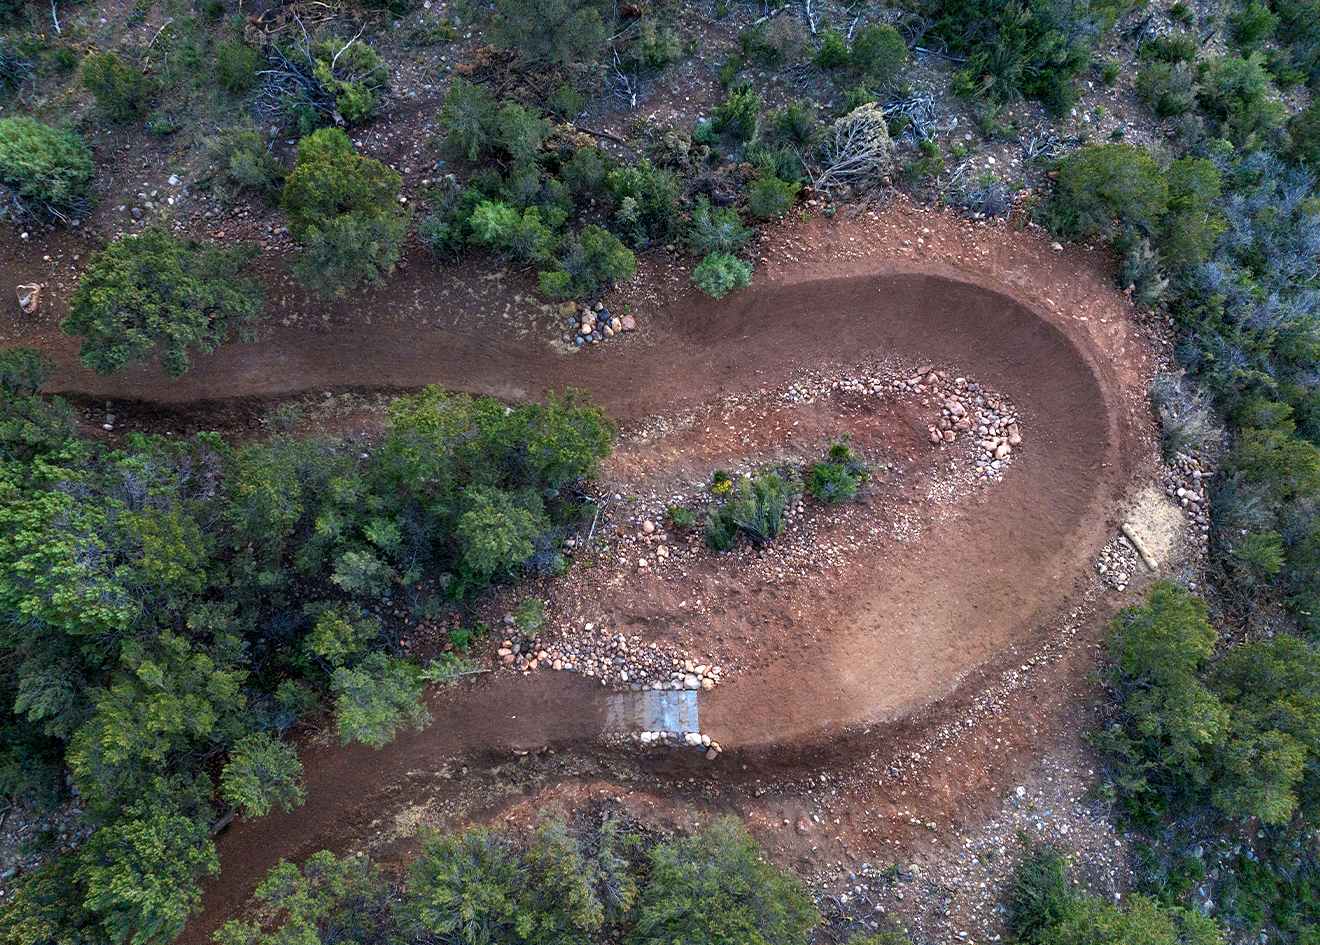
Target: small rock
[{"x": 628, "y": 323}]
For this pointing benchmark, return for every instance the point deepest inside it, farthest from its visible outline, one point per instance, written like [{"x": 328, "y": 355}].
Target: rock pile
[
  {"x": 614, "y": 659},
  {"x": 967, "y": 408},
  {"x": 695, "y": 740},
  {"x": 657, "y": 547},
  {"x": 592, "y": 324},
  {"x": 1187, "y": 480},
  {"x": 1118, "y": 562}
]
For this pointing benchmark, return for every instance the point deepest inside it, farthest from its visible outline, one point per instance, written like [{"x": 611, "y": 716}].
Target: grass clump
[
  {"x": 751, "y": 507},
  {"x": 838, "y": 475}
]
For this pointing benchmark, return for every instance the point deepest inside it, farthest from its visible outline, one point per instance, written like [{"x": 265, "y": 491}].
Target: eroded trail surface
[{"x": 902, "y": 636}]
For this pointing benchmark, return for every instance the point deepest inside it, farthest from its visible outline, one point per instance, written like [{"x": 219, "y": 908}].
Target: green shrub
[
  {"x": 1044, "y": 910},
  {"x": 566, "y": 102},
  {"x": 1171, "y": 49},
  {"x": 771, "y": 198},
  {"x": 23, "y": 371},
  {"x": 1104, "y": 185},
  {"x": 646, "y": 198},
  {"x": 775, "y": 160},
  {"x": 855, "y": 98},
  {"x": 1252, "y": 25},
  {"x": 927, "y": 167},
  {"x": 156, "y": 290},
  {"x": 680, "y": 518},
  {"x": 236, "y": 66},
  {"x": 447, "y": 229},
  {"x": 1304, "y": 136},
  {"x": 261, "y": 774},
  {"x": 720, "y": 532},
  {"x": 521, "y": 235},
  {"x": 1169, "y": 89},
  {"x": 753, "y": 507},
  {"x": 1023, "y": 49},
  {"x": 727, "y": 72},
  {"x": 739, "y": 115},
  {"x": 1239, "y": 95},
  {"x": 1110, "y": 70},
  {"x": 46, "y": 169},
  {"x": 833, "y": 52},
  {"x": 721, "y": 273},
  {"x": 377, "y": 699},
  {"x": 520, "y": 132},
  {"x": 799, "y": 124},
  {"x": 593, "y": 259},
  {"x": 715, "y": 230},
  {"x": 468, "y": 117},
  {"x": 586, "y": 171},
  {"x": 141, "y": 874},
  {"x": 352, "y": 74},
  {"x": 655, "y": 48},
  {"x": 1038, "y": 897},
  {"x": 121, "y": 91},
  {"x": 1170, "y": 720},
  {"x": 342, "y": 209},
  {"x": 1194, "y": 223},
  {"x": 552, "y": 32},
  {"x": 715, "y": 888},
  {"x": 1299, "y": 30},
  {"x": 323, "y": 900},
  {"x": 878, "y": 53},
  {"x": 245, "y": 168}
]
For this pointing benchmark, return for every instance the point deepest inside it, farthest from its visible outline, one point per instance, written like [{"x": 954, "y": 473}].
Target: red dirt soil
[{"x": 1047, "y": 331}]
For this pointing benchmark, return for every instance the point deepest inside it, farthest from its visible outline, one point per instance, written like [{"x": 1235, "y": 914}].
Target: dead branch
[
  {"x": 159, "y": 31},
  {"x": 625, "y": 84},
  {"x": 920, "y": 111},
  {"x": 602, "y": 134}
]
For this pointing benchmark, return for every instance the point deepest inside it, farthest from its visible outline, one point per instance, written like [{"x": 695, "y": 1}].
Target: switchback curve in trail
[{"x": 958, "y": 601}]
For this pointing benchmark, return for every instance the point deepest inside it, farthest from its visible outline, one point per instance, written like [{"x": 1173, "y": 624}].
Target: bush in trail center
[{"x": 157, "y": 294}]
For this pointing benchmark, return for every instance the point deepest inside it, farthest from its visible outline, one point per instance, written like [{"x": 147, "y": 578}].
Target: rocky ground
[{"x": 635, "y": 531}]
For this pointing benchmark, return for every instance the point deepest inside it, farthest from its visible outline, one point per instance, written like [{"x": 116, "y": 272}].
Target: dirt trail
[{"x": 910, "y": 632}]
